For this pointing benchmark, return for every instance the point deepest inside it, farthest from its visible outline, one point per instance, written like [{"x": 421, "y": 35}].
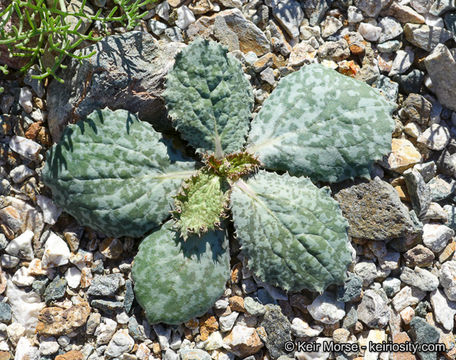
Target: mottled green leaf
[
  {"x": 176, "y": 280},
  {"x": 292, "y": 232},
  {"x": 322, "y": 124},
  {"x": 200, "y": 204},
  {"x": 209, "y": 98},
  {"x": 115, "y": 174}
]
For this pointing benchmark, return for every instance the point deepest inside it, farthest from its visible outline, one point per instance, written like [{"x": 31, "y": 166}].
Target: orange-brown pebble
[
  {"x": 237, "y": 303},
  {"x": 400, "y": 338},
  {"x": 236, "y": 273},
  {"x": 71, "y": 355},
  {"x": 208, "y": 324}
]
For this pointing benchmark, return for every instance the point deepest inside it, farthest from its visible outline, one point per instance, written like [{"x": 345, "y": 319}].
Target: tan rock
[
  {"x": 403, "y": 155},
  {"x": 5, "y": 355},
  {"x": 174, "y": 3},
  {"x": 401, "y": 338},
  {"x": 232, "y": 30},
  {"x": 447, "y": 252},
  {"x": 302, "y": 53},
  {"x": 35, "y": 268},
  {"x": 57, "y": 321},
  {"x": 243, "y": 341},
  {"x": 200, "y": 7},
  {"x": 71, "y": 355},
  {"x": 237, "y": 303},
  {"x": 403, "y": 13},
  {"x": 407, "y": 315},
  {"x": 448, "y": 340}
]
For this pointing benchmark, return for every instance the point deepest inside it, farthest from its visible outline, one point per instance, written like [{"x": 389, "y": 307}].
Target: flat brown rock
[{"x": 58, "y": 321}]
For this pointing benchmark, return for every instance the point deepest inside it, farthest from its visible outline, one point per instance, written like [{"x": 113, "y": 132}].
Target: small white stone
[
  {"x": 37, "y": 115},
  {"x": 122, "y": 318},
  {"x": 447, "y": 277},
  {"x": 330, "y": 26},
  {"x": 402, "y": 61},
  {"x": 15, "y": 331},
  {"x": 120, "y": 343},
  {"x": 369, "y": 32},
  {"x": 25, "y": 351},
  {"x": 9, "y": 261},
  {"x": 48, "y": 346},
  {"x": 300, "y": 328},
  {"x": 434, "y": 21},
  {"x": 185, "y": 17},
  {"x": 374, "y": 336},
  {"x": 105, "y": 331},
  {"x": 214, "y": 341},
  {"x": 20, "y": 173},
  {"x": 221, "y": 304},
  {"x": 73, "y": 277},
  {"x": 227, "y": 322},
  {"x": 51, "y": 212},
  {"x": 408, "y": 296},
  {"x": 25, "y": 99},
  {"x": 162, "y": 10},
  {"x": 436, "y": 236},
  {"x": 444, "y": 310},
  {"x": 22, "y": 278},
  {"x": 25, "y": 147},
  {"x": 326, "y": 309},
  {"x": 56, "y": 252},
  {"x": 21, "y": 246},
  {"x": 436, "y": 137},
  {"x": 412, "y": 129},
  {"x": 366, "y": 270},
  {"x": 25, "y": 307},
  {"x": 354, "y": 15},
  {"x": 64, "y": 340}
]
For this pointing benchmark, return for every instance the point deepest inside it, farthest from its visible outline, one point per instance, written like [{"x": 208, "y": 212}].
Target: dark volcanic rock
[{"x": 374, "y": 211}]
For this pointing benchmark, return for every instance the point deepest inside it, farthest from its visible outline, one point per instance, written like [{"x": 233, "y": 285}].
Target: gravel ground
[{"x": 66, "y": 291}]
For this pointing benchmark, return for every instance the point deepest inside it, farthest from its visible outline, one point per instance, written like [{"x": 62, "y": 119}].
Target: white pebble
[
  {"x": 25, "y": 307},
  {"x": 369, "y": 32},
  {"x": 25, "y": 147},
  {"x": 20, "y": 173},
  {"x": 56, "y": 252},
  {"x": 21, "y": 246},
  {"x": 22, "y": 278},
  {"x": 51, "y": 212},
  {"x": 48, "y": 346},
  {"x": 326, "y": 309},
  {"x": 120, "y": 343},
  {"x": 185, "y": 17},
  {"x": 25, "y": 351},
  {"x": 105, "y": 331},
  {"x": 73, "y": 277},
  {"x": 436, "y": 236},
  {"x": 25, "y": 99}
]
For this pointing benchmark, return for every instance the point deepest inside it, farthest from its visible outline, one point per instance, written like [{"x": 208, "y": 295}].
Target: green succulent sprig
[{"x": 45, "y": 34}]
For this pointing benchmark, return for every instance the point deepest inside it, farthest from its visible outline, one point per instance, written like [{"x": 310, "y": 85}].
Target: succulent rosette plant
[{"x": 116, "y": 174}]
